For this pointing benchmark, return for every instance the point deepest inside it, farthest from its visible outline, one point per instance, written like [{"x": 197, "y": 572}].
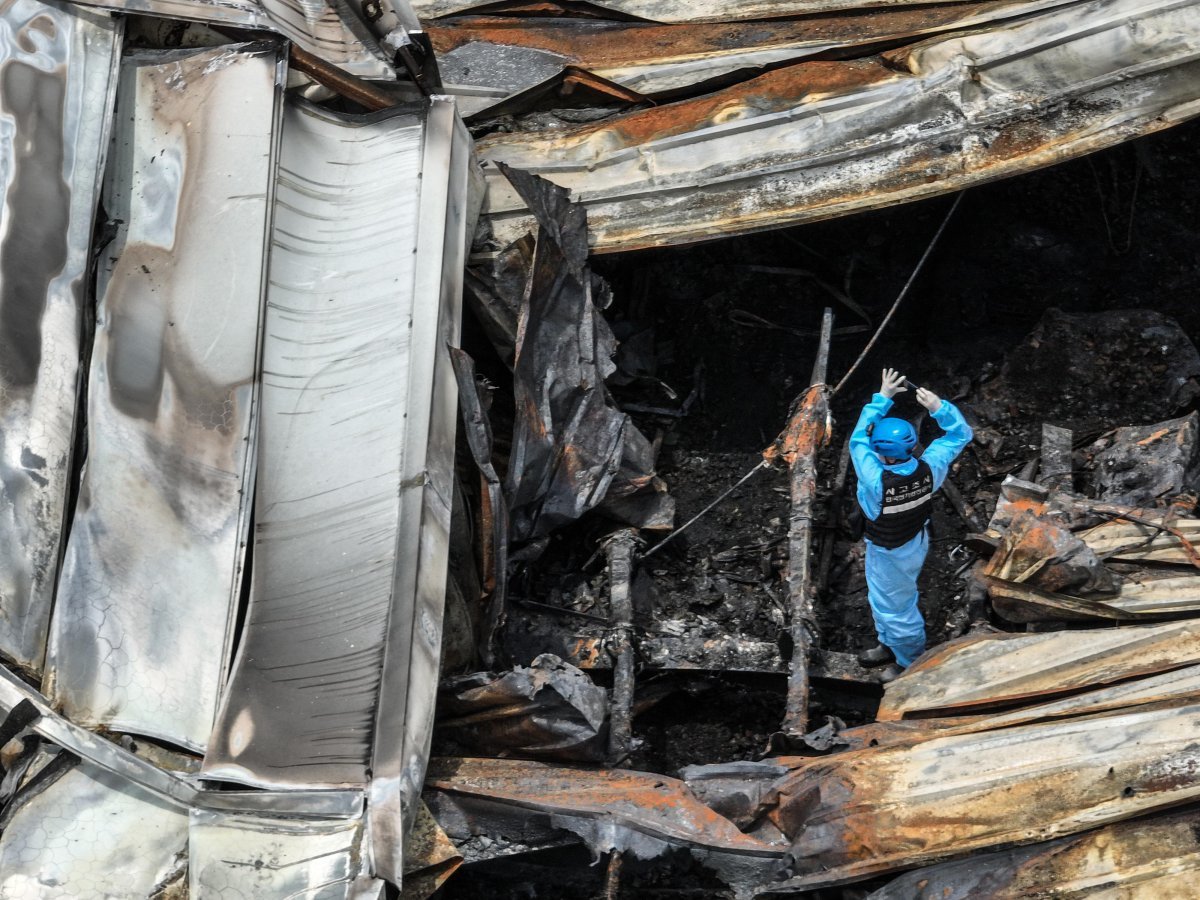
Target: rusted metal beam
[
  {"x": 364, "y": 93},
  {"x": 806, "y": 432}
]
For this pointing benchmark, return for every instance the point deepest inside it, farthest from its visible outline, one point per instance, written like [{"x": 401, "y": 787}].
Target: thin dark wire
[
  {"x": 903, "y": 291},
  {"x": 682, "y": 528}
]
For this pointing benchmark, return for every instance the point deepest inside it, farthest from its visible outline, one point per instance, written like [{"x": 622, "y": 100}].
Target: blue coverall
[{"x": 892, "y": 574}]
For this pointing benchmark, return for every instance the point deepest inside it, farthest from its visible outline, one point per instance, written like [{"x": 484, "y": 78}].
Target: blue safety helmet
[{"x": 894, "y": 438}]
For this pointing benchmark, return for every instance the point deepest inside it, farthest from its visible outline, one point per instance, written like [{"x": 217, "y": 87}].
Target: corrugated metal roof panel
[{"x": 821, "y": 139}]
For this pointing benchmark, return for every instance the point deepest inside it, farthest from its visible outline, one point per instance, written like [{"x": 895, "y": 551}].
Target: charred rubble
[{"x": 637, "y": 727}]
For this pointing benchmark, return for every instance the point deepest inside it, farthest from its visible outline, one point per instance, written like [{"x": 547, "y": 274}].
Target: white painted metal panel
[{"x": 140, "y": 636}]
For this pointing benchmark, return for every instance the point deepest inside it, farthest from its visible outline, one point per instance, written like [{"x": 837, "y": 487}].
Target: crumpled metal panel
[
  {"x": 171, "y": 785},
  {"x": 92, "y": 834},
  {"x": 137, "y": 644},
  {"x": 976, "y": 672},
  {"x": 862, "y": 813},
  {"x": 1135, "y": 600},
  {"x": 1137, "y": 542},
  {"x": 1177, "y": 686},
  {"x": 239, "y": 857},
  {"x": 354, "y": 479},
  {"x": 546, "y": 710},
  {"x": 499, "y": 56},
  {"x": 57, "y": 82},
  {"x": 661, "y": 809},
  {"x": 1156, "y": 858},
  {"x": 820, "y": 139},
  {"x": 329, "y": 30}
]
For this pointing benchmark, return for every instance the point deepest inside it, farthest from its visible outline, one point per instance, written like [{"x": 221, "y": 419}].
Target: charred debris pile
[{"x": 1044, "y": 740}]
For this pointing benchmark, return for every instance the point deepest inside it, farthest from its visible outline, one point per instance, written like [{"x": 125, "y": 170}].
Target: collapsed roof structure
[{"x": 233, "y": 248}]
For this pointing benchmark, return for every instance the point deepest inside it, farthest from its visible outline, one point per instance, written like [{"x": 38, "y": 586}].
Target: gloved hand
[
  {"x": 929, "y": 400},
  {"x": 893, "y": 383}
]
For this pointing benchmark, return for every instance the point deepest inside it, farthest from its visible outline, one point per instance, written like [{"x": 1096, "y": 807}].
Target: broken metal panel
[
  {"x": 546, "y": 710},
  {"x": 92, "y": 834},
  {"x": 866, "y": 812},
  {"x": 980, "y": 671},
  {"x": 181, "y": 790},
  {"x": 240, "y": 857},
  {"x": 329, "y": 30},
  {"x": 588, "y": 802},
  {"x": 1154, "y": 857},
  {"x": 172, "y": 395},
  {"x": 1178, "y": 687},
  {"x": 57, "y": 83},
  {"x": 1127, "y": 541},
  {"x": 1134, "y": 600},
  {"x": 498, "y": 56},
  {"x": 819, "y": 139}
]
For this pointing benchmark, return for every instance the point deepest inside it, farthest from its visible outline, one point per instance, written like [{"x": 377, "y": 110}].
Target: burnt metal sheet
[
  {"x": 500, "y": 56},
  {"x": 57, "y": 83},
  {"x": 546, "y": 710},
  {"x": 1157, "y": 857},
  {"x": 572, "y": 450},
  {"x": 1137, "y": 542},
  {"x": 652, "y": 806},
  {"x": 866, "y": 812},
  {"x": 92, "y": 834},
  {"x": 976, "y": 672},
  {"x": 241, "y": 857},
  {"x": 1177, "y": 686},
  {"x": 142, "y": 629},
  {"x": 820, "y": 139},
  {"x": 354, "y": 470},
  {"x": 1134, "y": 600},
  {"x": 686, "y": 10},
  {"x": 329, "y": 30}
]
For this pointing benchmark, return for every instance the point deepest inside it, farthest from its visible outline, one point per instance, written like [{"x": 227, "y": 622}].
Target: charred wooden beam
[
  {"x": 620, "y": 548},
  {"x": 1055, "y": 467}
]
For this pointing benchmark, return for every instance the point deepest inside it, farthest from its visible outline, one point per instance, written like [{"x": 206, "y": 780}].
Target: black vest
[{"x": 907, "y": 505}]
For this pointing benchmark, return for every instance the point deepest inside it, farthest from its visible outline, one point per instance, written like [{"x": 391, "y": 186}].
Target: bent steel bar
[
  {"x": 141, "y": 633},
  {"x": 57, "y": 82},
  {"x": 355, "y": 468},
  {"x": 104, "y": 753}
]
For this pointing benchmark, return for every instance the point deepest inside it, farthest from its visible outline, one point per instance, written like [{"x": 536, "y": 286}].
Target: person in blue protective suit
[{"x": 895, "y": 491}]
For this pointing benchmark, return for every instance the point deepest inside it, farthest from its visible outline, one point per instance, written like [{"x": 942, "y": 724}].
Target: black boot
[
  {"x": 891, "y": 673},
  {"x": 879, "y": 655}
]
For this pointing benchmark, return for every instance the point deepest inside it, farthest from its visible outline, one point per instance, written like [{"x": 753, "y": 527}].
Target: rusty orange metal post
[{"x": 807, "y": 431}]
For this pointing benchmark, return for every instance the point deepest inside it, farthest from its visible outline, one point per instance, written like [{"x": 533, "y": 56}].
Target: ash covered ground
[{"x": 1001, "y": 321}]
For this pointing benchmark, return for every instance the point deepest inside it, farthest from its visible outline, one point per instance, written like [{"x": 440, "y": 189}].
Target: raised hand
[
  {"x": 893, "y": 384},
  {"x": 929, "y": 400}
]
